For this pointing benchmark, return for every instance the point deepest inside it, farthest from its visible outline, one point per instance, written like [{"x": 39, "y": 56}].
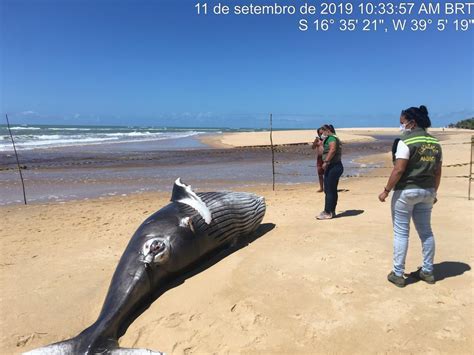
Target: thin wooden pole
[
  {"x": 273, "y": 153},
  {"x": 17, "y": 160},
  {"x": 470, "y": 169}
]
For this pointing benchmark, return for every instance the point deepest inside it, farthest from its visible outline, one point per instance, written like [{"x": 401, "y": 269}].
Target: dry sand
[
  {"x": 306, "y": 286},
  {"x": 347, "y": 135},
  {"x": 241, "y": 139}
]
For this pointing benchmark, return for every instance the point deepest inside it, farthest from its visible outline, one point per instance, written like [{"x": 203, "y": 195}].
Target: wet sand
[{"x": 304, "y": 286}]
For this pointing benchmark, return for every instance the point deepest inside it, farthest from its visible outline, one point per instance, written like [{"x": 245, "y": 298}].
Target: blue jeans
[
  {"x": 416, "y": 203},
  {"x": 331, "y": 179}
]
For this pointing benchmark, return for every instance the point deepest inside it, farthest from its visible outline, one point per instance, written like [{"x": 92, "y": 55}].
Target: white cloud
[{"x": 28, "y": 112}]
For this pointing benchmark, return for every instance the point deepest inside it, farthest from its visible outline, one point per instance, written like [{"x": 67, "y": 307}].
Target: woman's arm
[{"x": 397, "y": 172}]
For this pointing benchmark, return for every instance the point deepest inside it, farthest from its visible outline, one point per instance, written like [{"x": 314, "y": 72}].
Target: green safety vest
[{"x": 425, "y": 157}]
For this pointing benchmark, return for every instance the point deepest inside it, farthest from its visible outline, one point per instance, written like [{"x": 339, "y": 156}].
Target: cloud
[{"x": 29, "y": 113}]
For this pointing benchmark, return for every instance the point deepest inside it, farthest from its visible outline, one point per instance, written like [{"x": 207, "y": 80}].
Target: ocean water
[{"x": 30, "y": 137}]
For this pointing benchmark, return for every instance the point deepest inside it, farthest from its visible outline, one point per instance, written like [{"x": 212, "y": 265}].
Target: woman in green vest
[
  {"x": 333, "y": 170},
  {"x": 415, "y": 179}
]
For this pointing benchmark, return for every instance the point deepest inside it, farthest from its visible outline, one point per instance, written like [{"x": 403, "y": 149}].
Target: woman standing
[
  {"x": 333, "y": 170},
  {"x": 415, "y": 178},
  {"x": 318, "y": 145}
]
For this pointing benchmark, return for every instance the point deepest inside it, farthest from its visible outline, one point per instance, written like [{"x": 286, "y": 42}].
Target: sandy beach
[
  {"x": 304, "y": 286},
  {"x": 243, "y": 139},
  {"x": 347, "y": 135}
]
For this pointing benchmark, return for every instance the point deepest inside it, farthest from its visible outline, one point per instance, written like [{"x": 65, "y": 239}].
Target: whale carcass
[{"x": 166, "y": 244}]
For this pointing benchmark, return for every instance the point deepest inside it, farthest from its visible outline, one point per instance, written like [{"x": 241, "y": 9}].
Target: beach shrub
[{"x": 467, "y": 124}]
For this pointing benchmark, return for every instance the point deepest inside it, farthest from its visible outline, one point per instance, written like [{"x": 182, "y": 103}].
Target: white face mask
[
  {"x": 323, "y": 136},
  {"x": 404, "y": 129}
]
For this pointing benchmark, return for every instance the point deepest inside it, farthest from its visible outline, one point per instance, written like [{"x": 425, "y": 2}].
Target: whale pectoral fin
[{"x": 183, "y": 193}]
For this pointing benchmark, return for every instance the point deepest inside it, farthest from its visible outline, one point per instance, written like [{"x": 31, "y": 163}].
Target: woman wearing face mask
[
  {"x": 318, "y": 145},
  {"x": 333, "y": 170},
  {"x": 415, "y": 179}
]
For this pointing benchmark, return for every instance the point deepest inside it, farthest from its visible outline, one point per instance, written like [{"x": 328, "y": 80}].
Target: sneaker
[
  {"x": 398, "y": 281},
  {"x": 424, "y": 276},
  {"x": 324, "y": 215}
]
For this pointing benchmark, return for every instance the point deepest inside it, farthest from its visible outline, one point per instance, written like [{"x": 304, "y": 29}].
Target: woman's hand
[
  {"x": 325, "y": 165},
  {"x": 383, "y": 196}
]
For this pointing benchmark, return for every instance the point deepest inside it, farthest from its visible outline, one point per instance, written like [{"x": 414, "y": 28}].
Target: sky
[{"x": 156, "y": 62}]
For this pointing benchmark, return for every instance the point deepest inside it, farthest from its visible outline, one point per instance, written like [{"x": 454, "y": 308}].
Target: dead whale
[{"x": 166, "y": 244}]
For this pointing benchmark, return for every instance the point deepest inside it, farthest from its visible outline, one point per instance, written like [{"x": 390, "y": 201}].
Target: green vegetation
[{"x": 467, "y": 123}]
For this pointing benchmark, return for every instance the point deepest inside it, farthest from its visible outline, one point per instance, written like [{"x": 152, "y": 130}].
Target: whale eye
[
  {"x": 156, "y": 246},
  {"x": 155, "y": 250}
]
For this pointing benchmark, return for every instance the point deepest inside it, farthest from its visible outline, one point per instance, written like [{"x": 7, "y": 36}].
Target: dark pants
[{"x": 331, "y": 178}]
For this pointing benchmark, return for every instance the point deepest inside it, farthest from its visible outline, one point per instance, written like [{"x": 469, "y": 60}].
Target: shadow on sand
[
  {"x": 349, "y": 213},
  {"x": 197, "y": 268},
  {"x": 443, "y": 270}
]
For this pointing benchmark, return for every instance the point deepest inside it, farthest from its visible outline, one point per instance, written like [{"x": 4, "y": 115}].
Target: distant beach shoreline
[{"x": 347, "y": 135}]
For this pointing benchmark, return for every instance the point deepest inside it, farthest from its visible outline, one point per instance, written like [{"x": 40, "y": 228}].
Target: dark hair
[
  {"x": 419, "y": 115},
  {"x": 329, "y": 127}
]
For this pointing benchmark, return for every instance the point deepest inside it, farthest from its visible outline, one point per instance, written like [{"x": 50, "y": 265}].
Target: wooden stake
[
  {"x": 17, "y": 160},
  {"x": 273, "y": 153},
  {"x": 470, "y": 169}
]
